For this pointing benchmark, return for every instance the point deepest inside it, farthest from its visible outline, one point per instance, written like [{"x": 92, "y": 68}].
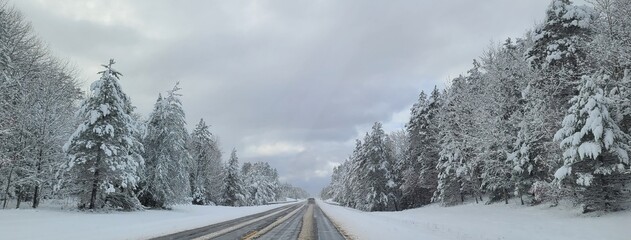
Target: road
[{"x": 304, "y": 221}]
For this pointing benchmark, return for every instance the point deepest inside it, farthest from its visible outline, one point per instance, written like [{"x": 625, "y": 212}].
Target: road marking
[
  {"x": 249, "y": 235},
  {"x": 273, "y": 225}
]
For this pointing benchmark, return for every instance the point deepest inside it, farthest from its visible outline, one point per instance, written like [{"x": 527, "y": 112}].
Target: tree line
[
  {"x": 58, "y": 142},
  {"x": 541, "y": 118}
]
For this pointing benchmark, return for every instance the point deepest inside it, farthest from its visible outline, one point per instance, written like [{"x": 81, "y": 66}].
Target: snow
[
  {"x": 50, "y": 222},
  {"x": 562, "y": 172},
  {"x": 479, "y": 221},
  {"x": 589, "y": 149},
  {"x": 584, "y": 179}
]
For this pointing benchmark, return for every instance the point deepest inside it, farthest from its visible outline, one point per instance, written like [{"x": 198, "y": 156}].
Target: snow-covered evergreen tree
[
  {"x": 420, "y": 176},
  {"x": 378, "y": 183},
  {"x": 288, "y": 192},
  {"x": 260, "y": 182},
  {"x": 398, "y": 142},
  {"x": 104, "y": 154},
  {"x": 595, "y": 149},
  {"x": 206, "y": 166},
  {"x": 410, "y": 187},
  {"x": 431, "y": 148},
  {"x": 233, "y": 194},
  {"x": 167, "y": 158},
  {"x": 452, "y": 157}
]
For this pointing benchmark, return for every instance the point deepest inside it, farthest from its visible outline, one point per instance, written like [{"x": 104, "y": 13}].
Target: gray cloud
[{"x": 289, "y": 82}]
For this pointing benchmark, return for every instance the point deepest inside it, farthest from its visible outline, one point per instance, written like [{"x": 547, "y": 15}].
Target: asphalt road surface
[{"x": 304, "y": 221}]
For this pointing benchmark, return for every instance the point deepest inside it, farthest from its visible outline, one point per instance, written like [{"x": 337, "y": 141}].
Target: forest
[
  {"x": 542, "y": 118},
  {"x": 91, "y": 148}
]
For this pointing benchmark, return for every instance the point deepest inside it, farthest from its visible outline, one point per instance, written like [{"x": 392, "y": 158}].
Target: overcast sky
[{"x": 289, "y": 82}]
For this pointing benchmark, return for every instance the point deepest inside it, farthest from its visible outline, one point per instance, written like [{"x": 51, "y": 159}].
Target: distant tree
[
  {"x": 287, "y": 190},
  {"x": 104, "y": 154},
  {"x": 261, "y": 183}
]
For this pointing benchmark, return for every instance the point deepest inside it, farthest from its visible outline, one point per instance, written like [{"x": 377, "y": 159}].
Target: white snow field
[
  {"x": 478, "y": 221},
  {"x": 52, "y": 223}
]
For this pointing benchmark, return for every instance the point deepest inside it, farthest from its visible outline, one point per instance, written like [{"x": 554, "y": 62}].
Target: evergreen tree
[
  {"x": 595, "y": 149},
  {"x": 558, "y": 58},
  {"x": 166, "y": 155},
  {"x": 420, "y": 176},
  {"x": 104, "y": 153},
  {"x": 452, "y": 155},
  {"x": 233, "y": 190},
  {"x": 411, "y": 185},
  {"x": 378, "y": 183},
  {"x": 431, "y": 148},
  {"x": 260, "y": 182},
  {"x": 206, "y": 167}
]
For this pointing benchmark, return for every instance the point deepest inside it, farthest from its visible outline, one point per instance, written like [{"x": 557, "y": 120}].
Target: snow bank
[
  {"x": 478, "y": 221},
  {"x": 49, "y": 223}
]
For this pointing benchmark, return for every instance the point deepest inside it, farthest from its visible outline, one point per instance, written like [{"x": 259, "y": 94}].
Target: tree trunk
[
  {"x": 37, "y": 173},
  {"x": 95, "y": 186},
  {"x": 505, "y": 196},
  {"x": 36, "y": 196},
  {"x": 6, "y": 191},
  {"x": 19, "y": 195}
]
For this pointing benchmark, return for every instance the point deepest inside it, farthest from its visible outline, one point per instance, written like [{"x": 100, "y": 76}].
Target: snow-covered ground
[
  {"x": 478, "y": 221},
  {"x": 53, "y": 223}
]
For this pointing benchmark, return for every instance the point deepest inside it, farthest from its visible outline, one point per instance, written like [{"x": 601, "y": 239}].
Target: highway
[{"x": 304, "y": 221}]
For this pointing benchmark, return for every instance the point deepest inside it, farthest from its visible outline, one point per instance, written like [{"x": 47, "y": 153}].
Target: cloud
[
  {"x": 274, "y": 149},
  {"x": 289, "y": 82}
]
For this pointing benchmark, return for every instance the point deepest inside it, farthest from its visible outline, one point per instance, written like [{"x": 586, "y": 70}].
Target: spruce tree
[
  {"x": 430, "y": 147},
  {"x": 166, "y": 155},
  {"x": 595, "y": 149},
  {"x": 411, "y": 185},
  {"x": 378, "y": 183},
  {"x": 451, "y": 163},
  {"x": 233, "y": 190},
  {"x": 201, "y": 149},
  {"x": 104, "y": 153}
]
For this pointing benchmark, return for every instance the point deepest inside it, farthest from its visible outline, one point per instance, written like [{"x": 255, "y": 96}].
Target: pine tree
[
  {"x": 104, "y": 154},
  {"x": 595, "y": 149},
  {"x": 166, "y": 155},
  {"x": 233, "y": 190}
]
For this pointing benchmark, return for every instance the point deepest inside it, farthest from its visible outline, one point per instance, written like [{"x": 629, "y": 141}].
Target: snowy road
[
  {"x": 295, "y": 221},
  {"x": 236, "y": 228},
  {"x": 324, "y": 227}
]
